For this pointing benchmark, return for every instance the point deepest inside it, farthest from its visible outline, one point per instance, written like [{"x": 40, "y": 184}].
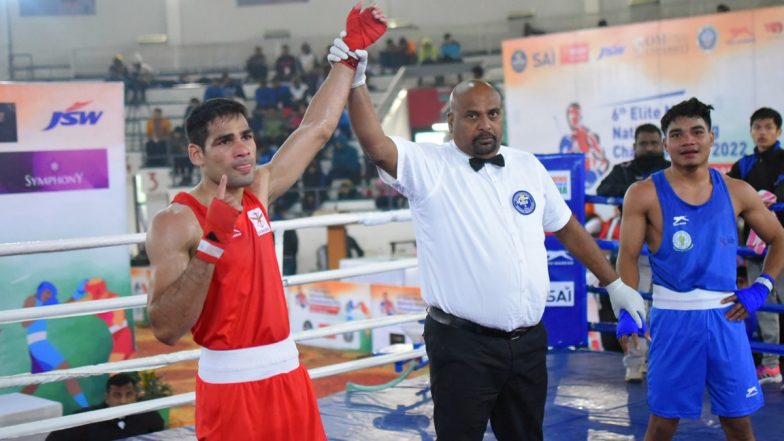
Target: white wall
[{"x": 219, "y": 33}]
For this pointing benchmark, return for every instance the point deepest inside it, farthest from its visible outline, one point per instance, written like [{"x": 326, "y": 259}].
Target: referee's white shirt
[{"x": 480, "y": 257}]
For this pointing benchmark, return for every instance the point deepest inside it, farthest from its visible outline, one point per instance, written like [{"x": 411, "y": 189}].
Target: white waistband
[
  {"x": 248, "y": 364},
  {"x": 36, "y": 337},
  {"x": 664, "y": 298}
]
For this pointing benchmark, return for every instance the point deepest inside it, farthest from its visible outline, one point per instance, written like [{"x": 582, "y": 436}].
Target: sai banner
[{"x": 586, "y": 91}]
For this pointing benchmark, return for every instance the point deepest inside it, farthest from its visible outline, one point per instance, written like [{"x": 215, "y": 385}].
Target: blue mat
[{"x": 587, "y": 400}]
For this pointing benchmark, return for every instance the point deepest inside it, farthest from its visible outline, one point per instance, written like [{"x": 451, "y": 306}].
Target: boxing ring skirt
[{"x": 587, "y": 399}]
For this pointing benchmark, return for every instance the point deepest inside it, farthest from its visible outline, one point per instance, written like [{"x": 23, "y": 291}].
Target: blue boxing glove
[
  {"x": 80, "y": 291},
  {"x": 755, "y": 295},
  {"x": 627, "y": 326}
]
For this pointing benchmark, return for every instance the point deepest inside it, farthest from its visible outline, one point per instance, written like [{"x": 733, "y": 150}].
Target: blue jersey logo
[{"x": 524, "y": 202}]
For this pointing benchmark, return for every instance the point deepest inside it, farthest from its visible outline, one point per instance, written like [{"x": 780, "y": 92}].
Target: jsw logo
[{"x": 72, "y": 117}]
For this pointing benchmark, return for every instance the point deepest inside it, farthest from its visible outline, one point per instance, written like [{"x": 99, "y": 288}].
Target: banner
[
  {"x": 321, "y": 304},
  {"x": 62, "y": 175},
  {"x": 565, "y": 316},
  {"x": 587, "y": 91},
  {"x": 392, "y": 300}
]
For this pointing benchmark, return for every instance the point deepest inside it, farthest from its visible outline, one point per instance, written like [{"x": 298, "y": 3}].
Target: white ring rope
[
  {"x": 43, "y": 246},
  {"x": 157, "y": 361},
  {"x": 140, "y": 301},
  {"x": 51, "y": 424}
]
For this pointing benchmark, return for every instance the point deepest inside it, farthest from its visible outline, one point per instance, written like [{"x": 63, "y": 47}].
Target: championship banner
[
  {"x": 62, "y": 175},
  {"x": 565, "y": 315},
  {"x": 587, "y": 91},
  {"x": 321, "y": 304},
  {"x": 388, "y": 300}
]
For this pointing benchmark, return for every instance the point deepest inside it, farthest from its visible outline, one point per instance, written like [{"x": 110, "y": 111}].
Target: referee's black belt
[{"x": 448, "y": 319}]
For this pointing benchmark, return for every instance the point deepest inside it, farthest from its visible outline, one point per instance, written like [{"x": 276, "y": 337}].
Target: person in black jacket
[
  {"x": 120, "y": 389},
  {"x": 764, "y": 170},
  {"x": 648, "y": 158}
]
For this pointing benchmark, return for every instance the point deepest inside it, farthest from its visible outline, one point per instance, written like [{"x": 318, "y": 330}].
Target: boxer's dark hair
[{"x": 197, "y": 122}]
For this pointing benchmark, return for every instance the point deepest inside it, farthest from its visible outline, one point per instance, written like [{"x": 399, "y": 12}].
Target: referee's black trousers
[{"x": 475, "y": 378}]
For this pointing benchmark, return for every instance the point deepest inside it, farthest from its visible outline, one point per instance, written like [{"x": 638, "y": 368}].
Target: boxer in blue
[{"x": 687, "y": 216}]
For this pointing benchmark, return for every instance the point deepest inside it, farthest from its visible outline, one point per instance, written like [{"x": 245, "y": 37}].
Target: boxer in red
[{"x": 215, "y": 270}]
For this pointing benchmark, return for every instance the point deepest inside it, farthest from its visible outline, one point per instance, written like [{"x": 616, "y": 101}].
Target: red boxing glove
[
  {"x": 218, "y": 231},
  {"x": 362, "y": 28}
]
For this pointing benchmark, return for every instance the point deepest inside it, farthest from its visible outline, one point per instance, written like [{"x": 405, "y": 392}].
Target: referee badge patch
[{"x": 524, "y": 202}]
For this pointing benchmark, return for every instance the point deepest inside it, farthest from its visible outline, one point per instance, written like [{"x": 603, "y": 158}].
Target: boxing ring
[{"x": 587, "y": 395}]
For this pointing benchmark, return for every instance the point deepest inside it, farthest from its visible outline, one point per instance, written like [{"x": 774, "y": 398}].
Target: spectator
[
  {"x": 159, "y": 129},
  {"x": 307, "y": 59},
  {"x": 231, "y": 88},
  {"x": 285, "y": 65},
  {"x": 141, "y": 77},
  {"x": 265, "y": 96},
  {"x": 407, "y": 50},
  {"x": 478, "y": 72},
  {"x": 450, "y": 50},
  {"x": 193, "y": 103},
  {"x": 763, "y": 169},
  {"x": 256, "y": 66},
  {"x": 345, "y": 160},
  {"x": 347, "y": 191},
  {"x": 314, "y": 182},
  {"x": 121, "y": 389},
  {"x": 117, "y": 70},
  {"x": 214, "y": 90},
  {"x": 391, "y": 57},
  {"x": 282, "y": 94},
  {"x": 183, "y": 168},
  {"x": 529, "y": 30},
  {"x": 428, "y": 53},
  {"x": 299, "y": 91}
]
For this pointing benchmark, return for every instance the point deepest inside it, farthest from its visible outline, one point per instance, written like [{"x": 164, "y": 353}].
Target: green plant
[{"x": 151, "y": 386}]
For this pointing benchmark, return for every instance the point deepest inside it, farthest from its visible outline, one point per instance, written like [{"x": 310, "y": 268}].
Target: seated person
[{"x": 120, "y": 389}]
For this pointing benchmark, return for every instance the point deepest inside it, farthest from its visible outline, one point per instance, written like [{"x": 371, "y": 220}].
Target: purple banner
[{"x": 55, "y": 170}]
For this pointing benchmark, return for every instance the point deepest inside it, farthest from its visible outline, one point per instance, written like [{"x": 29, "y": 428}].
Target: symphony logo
[
  {"x": 53, "y": 170},
  {"x": 74, "y": 116}
]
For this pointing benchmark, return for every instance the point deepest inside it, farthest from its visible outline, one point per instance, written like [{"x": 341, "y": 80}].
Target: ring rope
[
  {"x": 43, "y": 246},
  {"x": 51, "y": 424},
  {"x": 157, "y": 361},
  {"x": 140, "y": 301}
]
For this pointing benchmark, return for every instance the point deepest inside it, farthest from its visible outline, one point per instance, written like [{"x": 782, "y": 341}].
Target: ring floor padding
[{"x": 587, "y": 399}]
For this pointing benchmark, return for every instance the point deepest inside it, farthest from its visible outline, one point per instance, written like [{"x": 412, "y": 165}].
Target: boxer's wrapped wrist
[
  {"x": 350, "y": 62},
  {"x": 209, "y": 251},
  {"x": 766, "y": 280}
]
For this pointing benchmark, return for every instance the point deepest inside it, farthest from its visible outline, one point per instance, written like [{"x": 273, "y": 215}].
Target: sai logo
[
  {"x": 72, "y": 117},
  {"x": 524, "y": 202},
  {"x": 519, "y": 61},
  {"x": 561, "y": 294},
  {"x": 681, "y": 241},
  {"x": 707, "y": 38}
]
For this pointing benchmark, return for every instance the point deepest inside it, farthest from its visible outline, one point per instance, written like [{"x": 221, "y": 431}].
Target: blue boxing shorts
[{"x": 691, "y": 349}]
